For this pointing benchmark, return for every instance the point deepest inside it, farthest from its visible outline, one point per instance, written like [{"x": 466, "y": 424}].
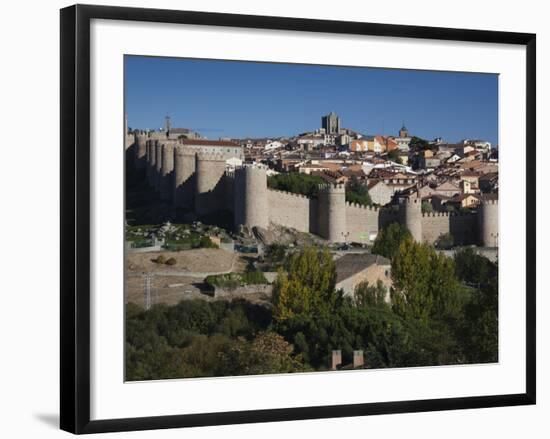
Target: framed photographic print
[{"x": 269, "y": 218}]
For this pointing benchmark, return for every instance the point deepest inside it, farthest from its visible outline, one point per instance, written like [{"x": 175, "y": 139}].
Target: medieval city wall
[
  {"x": 386, "y": 216},
  {"x": 361, "y": 222},
  {"x": 229, "y": 189},
  {"x": 210, "y": 188},
  {"x": 291, "y": 210},
  {"x": 434, "y": 225},
  {"x": 463, "y": 227}
]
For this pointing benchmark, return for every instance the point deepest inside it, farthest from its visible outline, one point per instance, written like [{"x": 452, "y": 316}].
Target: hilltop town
[
  {"x": 332, "y": 187},
  {"x": 271, "y": 231},
  {"x": 449, "y": 176}
]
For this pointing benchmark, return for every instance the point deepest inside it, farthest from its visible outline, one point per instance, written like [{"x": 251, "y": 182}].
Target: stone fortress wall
[
  {"x": 298, "y": 211},
  {"x": 188, "y": 177}
]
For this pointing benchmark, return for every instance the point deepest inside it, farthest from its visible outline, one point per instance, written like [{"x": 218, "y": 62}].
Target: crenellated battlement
[
  {"x": 167, "y": 142},
  {"x": 185, "y": 150},
  {"x": 448, "y": 214},
  {"x": 360, "y": 206},
  {"x": 212, "y": 157},
  {"x": 259, "y": 166},
  {"x": 412, "y": 201},
  {"x": 290, "y": 194},
  {"x": 332, "y": 187}
]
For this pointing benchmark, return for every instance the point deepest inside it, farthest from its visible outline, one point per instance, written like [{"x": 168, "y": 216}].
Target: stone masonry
[{"x": 192, "y": 178}]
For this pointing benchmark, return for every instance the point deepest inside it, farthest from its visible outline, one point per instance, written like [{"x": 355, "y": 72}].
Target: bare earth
[{"x": 171, "y": 284}]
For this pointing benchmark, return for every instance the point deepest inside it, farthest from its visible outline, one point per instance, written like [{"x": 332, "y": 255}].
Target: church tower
[
  {"x": 403, "y": 132},
  {"x": 167, "y": 125}
]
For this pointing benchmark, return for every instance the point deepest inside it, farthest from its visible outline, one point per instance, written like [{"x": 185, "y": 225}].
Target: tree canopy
[
  {"x": 418, "y": 144},
  {"x": 393, "y": 155},
  {"x": 442, "y": 311},
  {"x": 306, "y": 286},
  {"x": 357, "y": 192},
  {"x": 424, "y": 281},
  {"x": 296, "y": 182},
  {"x": 389, "y": 239}
]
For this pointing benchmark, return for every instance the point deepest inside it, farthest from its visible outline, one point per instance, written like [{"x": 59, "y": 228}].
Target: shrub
[
  {"x": 229, "y": 281},
  {"x": 444, "y": 242},
  {"x": 234, "y": 280},
  {"x": 254, "y": 277},
  {"x": 160, "y": 259},
  {"x": 206, "y": 242},
  {"x": 171, "y": 261},
  {"x": 427, "y": 207},
  {"x": 275, "y": 252}
]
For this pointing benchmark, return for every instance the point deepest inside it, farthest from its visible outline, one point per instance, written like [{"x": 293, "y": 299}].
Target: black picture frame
[{"x": 75, "y": 217}]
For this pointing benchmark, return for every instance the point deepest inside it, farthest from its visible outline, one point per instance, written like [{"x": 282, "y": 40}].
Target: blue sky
[{"x": 246, "y": 99}]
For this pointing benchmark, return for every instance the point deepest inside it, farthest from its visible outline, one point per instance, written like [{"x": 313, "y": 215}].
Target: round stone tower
[
  {"x": 152, "y": 163},
  {"x": 140, "y": 150},
  {"x": 184, "y": 170},
  {"x": 412, "y": 216},
  {"x": 158, "y": 164},
  {"x": 166, "y": 172},
  {"x": 147, "y": 153},
  {"x": 209, "y": 170},
  {"x": 332, "y": 212},
  {"x": 251, "y": 203},
  {"x": 488, "y": 223}
]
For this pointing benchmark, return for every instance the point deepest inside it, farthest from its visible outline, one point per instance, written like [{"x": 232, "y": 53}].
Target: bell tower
[
  {"x": 167, "y": 125},
  {"x": 403, "y": 132}
]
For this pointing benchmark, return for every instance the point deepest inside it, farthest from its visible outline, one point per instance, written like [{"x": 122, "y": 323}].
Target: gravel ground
[{"x": 170, "y": 284}]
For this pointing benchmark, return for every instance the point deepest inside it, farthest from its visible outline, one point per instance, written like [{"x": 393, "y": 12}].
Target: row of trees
[
  {"x": 308, "y": 185},
  {"x": 197, "y": 339},
  {"x": 296, "y": 182},
  {"x": 442, "y": 311},
  {"x": 436, "y": 315}
]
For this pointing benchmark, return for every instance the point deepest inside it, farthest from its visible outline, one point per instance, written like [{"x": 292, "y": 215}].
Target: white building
[
  {"x": 310, "y": 141},
  {"x": 275, "y": 144}
]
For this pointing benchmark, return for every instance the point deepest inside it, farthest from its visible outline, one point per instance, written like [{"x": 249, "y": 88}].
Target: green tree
[
  {"x": 267, "y": 353},
  {"x": 479, "y": 332},
  {"x": 481, "y": 324},
  {"x": 389, "y": 239},
  {"x": 425, "y": 285},
  {"x": 296, "y": 182},
  {"x": 427, "y": 207},
  {"x": 418, "y": 144},
  {"x": 393, "y": 155},
  {"x": 357, "y": 192},
  {"x": 370, "y": 295},
  {"x": 275, "y": 253},
  {"x": 473, "y": 268},
  {"x": 306, "y": 286}
]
